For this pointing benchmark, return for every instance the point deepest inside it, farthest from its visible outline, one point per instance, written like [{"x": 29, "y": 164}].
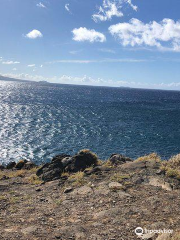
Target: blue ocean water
[{"x": 38, "y": 121}]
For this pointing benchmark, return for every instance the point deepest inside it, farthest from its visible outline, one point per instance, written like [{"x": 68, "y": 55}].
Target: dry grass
[
  {"x": 151, "y": 157},
  {"x": 34, "y": 180},
  {"x": 2, "y": 197},
  {"x": 14, "y": 199},
  {"x": 173, "y": 162},
  {"x": 13, "y": 174},
  {"x": 172, "y": 167},
  {"x": 100, "y": 162},
  {"x": 119, "y": 178},
  {"x": 108, "y": 164},
  {"x": 65, "y": 174},
  {"x": 77, "y": 179}
]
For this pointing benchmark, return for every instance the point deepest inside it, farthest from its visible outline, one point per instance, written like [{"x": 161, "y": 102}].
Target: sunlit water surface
[{"x": 38, "y": 121}]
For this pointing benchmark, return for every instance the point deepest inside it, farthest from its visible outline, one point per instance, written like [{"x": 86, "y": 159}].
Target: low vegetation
[
  {"x": 119, "y": 178},
  {"x": 151, "y": 157},
  {"x": 77, "y": 179},
  {"x": 172, "y": 167},
  {"x": 34, "y": 180}
]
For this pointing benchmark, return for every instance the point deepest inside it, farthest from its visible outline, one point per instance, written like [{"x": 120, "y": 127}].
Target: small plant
[
  {"x": 119, "y": 178},
  {"x": 108, "y": 164},
  {"x": 2, "y": 198},
  {"x": 77, "y": 179},
  {"x": 174, "y": 173},
  {"x": 13, "y": 199},
  {"x": 58, "y": 201},
  {"x": 34, "y": 179},
  {"x": 100, "y": 162},
  {"x": 65, "y": 174}
]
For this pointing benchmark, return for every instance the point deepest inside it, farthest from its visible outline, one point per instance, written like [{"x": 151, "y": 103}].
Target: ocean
[{"x": 39, "y": 121}]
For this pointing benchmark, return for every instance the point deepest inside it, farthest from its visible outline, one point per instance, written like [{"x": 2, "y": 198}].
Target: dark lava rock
[
  {"x": 118, "y": 159},
  {"x": 11, "y": 165},
  {"x": 20, "y": 164},
  {"x": 52, "y": 171},
  {"x": 2, "y": 167},
  {"x": 59, "y": 157},
  {"x": 81, "y": 161},
  {"x": 93, "y": 170},
  {"x": 65, "y": 163},
  {"x": 69, "y": 189},
  {"x": 29, "y": 165}
]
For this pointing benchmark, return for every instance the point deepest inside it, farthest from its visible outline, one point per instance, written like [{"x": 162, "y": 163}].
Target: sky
[{"x": 133, "y": 43}]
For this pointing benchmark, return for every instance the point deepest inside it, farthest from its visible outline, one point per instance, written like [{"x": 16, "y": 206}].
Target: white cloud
[
  {"x": 107, "y": 60},
  {"x": 41, "y": 5},
  {"x": 41, "y": 66},
  {"x": 31, "y": 65},
  {"x": 106, "y": 50},
  {"x": 164, "y": 35},
  {"x": 14, "y": 69},
  {"x": 83, "y": 34},
  {"x": 86, "y": 80},
  {"x": 111, "y": 8},
  {"x": 67, "y": 7},
  {"x": 34, "y": 34},
  {"x": 10, "y": 62},
  {"x": 73, "y": 52},
  {"x": 134, "y": 7}
]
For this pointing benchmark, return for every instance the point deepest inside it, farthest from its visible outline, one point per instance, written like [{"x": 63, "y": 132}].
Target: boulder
[
  {"x": 94, "y": 170},
  {"x": 134, "y": 165},
  {"x": 158, "y": 182},
  {"x": 65, "y": 163},
  {"x": 60, "y": 157},
  {"x": 81, "y": 161},
  {"x": 20, "y": 164},
  {"x": 11, "y": 165},
  {"x": 2, "y": 167},
  {"x": 84, "y": 190},
  {"x": 115, "y": 186},
  {"x": 50, "y": 171},
  {"x": 29, "y": 165},
  {"x": 118, "y": 159}
]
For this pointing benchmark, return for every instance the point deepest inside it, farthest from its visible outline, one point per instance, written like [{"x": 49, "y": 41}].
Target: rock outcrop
[{"x": 65, "y": 163}]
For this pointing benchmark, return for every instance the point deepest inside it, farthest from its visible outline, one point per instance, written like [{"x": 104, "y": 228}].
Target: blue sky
[{"x": 132, "y": 43}]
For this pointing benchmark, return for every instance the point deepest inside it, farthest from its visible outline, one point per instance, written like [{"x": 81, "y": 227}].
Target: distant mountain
[{"x": 3, "y": 78}]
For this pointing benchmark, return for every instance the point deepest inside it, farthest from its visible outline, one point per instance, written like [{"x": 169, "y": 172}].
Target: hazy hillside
[{"x": 3, "y": 78}]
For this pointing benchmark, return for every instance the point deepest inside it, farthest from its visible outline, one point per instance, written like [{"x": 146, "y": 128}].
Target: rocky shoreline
[{"x": 83, "y": 198}]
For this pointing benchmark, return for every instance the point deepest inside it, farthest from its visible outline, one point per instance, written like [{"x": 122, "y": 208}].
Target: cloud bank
[
  {"x": 10, "y": 62},
  {"x": 164, "y": 35},
  {"x": 83, "y": 34},
  {"x": 86, "y": 80}
]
